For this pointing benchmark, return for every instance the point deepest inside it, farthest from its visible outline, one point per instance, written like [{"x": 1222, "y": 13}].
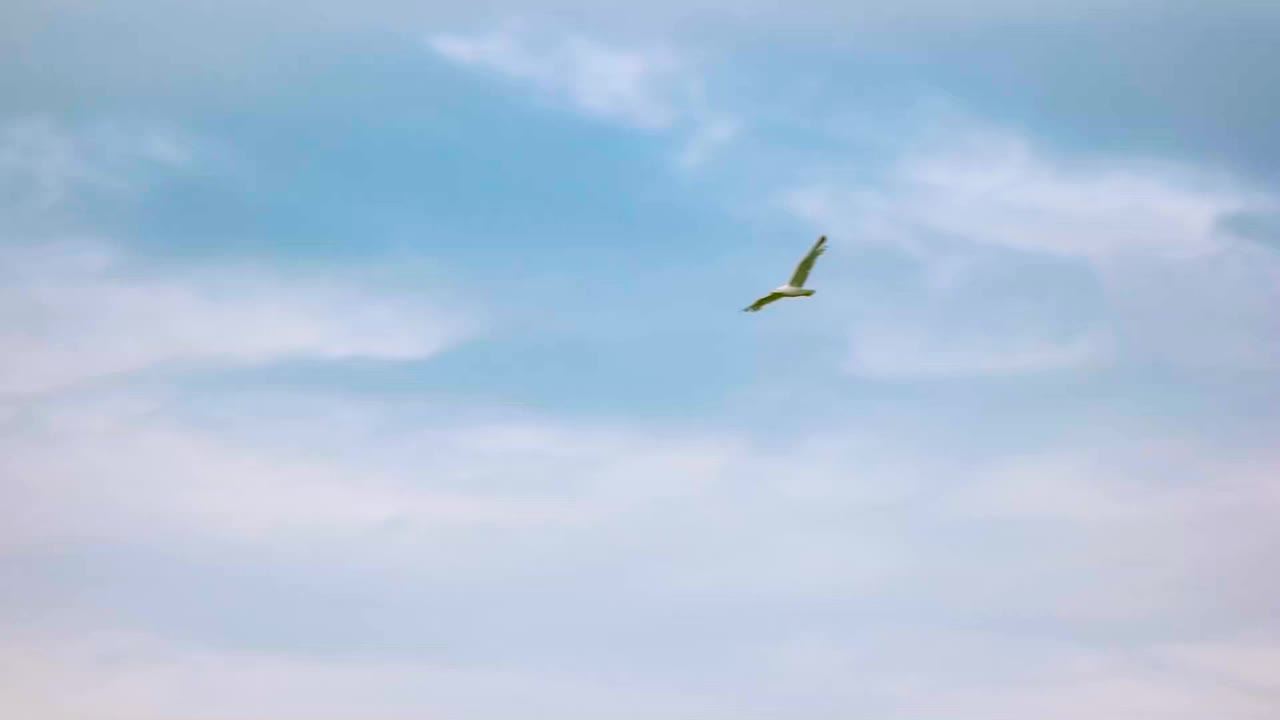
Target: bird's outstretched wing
[
  {"x": 755, "y": 306},
  {"x": 801, "y": 274}
]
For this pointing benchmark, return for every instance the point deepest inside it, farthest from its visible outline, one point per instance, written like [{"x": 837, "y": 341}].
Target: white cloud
[
  {"x": 633, "y": 87},
  {"x": 81, "y": 311},
  {"x": 1058, "y": 678},
  {"x": 130, "y": 674},
  {"x": 707, "y": 140},
  {"x": 988, "y": 186},
  {"x": 931, "y": 673},
  {"x": 1159, "y": 523},
  {"x": 127, "y": 673},
  {"x": 1252, "y": 664},
  {"x": 653, "y": 555},
  {"x": 1130, "y": 482},
  {"x": 649, "y": 89},
  {"x": 40, "y": 165},
  {"x": 1214, "y": 312},
  {"x": 121, "y": 465},
  {"x": 894, "y": 353},
  {"x": 43, "y": 163},
  {"x": 1176, "y": 286},
  {"x": 1080, "y": 681}
]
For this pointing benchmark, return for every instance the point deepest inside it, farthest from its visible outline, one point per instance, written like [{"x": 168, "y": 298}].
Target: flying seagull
[{"x": 795, "y": 286}]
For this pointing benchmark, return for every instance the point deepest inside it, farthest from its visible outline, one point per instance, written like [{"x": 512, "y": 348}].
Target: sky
[{"x": 386, "y": 360}]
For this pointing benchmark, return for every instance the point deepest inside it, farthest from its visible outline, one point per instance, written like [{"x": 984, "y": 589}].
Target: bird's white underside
[{"x": 792, "y": 291}]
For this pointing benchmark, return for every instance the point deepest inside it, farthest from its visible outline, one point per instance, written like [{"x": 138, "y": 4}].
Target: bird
[{"x": 795, "y": 286}]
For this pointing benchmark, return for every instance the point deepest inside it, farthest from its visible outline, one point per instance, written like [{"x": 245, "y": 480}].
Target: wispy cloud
[
  {"x": 1216, "y": 311},
  {"x": 44, "y": 163},
  {"x": 983, "y": 185},
  {"x": 896, "y": 353},
  {"x": 120, "y": 464},
  {"x": 650, "y": 88},
  {"x": 123, "y": 671},
  {"x": 633, "y": 87},
  {"x": 1179, "y": 285},
  {"x": 87, "y": 310},
  {"x": 707, "y": 139},
  {"x": 1148, "y": 503}
]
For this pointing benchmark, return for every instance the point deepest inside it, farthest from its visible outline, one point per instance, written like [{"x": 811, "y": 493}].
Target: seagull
[{"x": 795, "y": 286}]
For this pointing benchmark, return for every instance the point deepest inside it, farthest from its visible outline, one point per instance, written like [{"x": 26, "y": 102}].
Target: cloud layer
[
  {"x": 921, "y": 586},
  {"x": 85, "y": 310},
  {"x": 968, "y": 204}
]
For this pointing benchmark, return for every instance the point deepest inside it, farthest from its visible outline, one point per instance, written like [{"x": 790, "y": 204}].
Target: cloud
[
  {"x": 1173, "y": 281},
  {"x": 989, "y": 186},
  {"x": 124, "y": 673},
  {"x": 119, "y": 672},
  {"x": 40, "y": 163},
  {"x": 706, "y": 140},
  {"x": 649, "y": 89},
  {"x": 890, "y": 354},
  {"x": 1250, "y": 665},
  {"x": 379, "y": 537},
  {"x": 635, "y": 88},
  {"x": 78, "y": 307},
  {"x": 572, "y": 566},
  {"x": 1211, "y": 313},
  {"x": 241, "y": 550},
  {"x": 1263, "y": 228},
  {"x": 79, "y": 311},
  {"x": 124, "y": 465},
  {"x": 44, "y": 164},
  {"x": 1092, "y": 66},
  {"x": 1168, "y": 516}
]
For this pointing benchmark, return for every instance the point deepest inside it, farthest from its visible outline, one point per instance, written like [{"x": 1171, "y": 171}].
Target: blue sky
[{"x": 386, "y": 360}]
